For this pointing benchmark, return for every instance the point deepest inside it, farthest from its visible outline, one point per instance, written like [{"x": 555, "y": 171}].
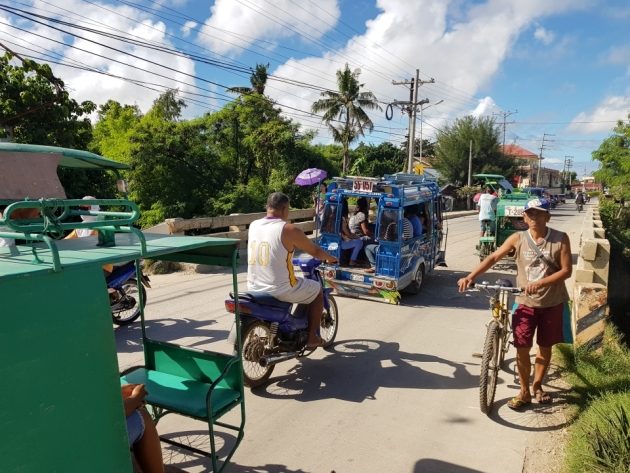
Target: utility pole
[
  {"x": 469, "y": 172},
  {"x": 411, "y": 108},
  {"x": 540, "y": 157},
  {"x": 568, "y": 161},
  {"x": 505, "y": 115}
]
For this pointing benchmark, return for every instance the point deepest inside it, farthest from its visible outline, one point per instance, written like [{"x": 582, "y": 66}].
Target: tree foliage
[
  {"x": 35, "y": 107},
  {"x": 614, "y": 156},
  {"x": 375, "y": 161},
  {"x": 347, "y": 107},
  {"x": 453, "y": 144}
]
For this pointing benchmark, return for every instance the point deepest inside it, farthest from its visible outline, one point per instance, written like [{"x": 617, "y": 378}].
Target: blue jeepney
[{"x": 401, "y": 264}]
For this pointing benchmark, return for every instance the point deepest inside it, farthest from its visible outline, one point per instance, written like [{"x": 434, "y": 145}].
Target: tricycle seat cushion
[
  {"x": 182, "y": 395},
  {"x": 486, "y": 239}
]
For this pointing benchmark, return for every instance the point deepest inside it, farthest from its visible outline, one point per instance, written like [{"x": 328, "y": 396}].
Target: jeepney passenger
[
  {"x": 391, "y": 234},
  {"x": 411, "y": 213},
  {"x": 350, "y": 241},
  {"x": 359, "y": 223}
]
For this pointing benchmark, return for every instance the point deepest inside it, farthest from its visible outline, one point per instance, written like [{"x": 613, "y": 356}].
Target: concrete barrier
[{"x": 590, "y": 287}]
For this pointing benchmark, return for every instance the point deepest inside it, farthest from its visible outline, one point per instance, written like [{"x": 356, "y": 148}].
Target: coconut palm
[
  {"x": 258, "y": 80},
  {"x": 346, "y": 107}
]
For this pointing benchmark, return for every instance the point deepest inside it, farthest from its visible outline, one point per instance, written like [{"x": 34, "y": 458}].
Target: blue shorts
[{"x": 135, "y": 427}]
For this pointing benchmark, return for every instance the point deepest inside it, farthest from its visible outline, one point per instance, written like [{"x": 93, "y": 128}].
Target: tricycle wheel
[
  {"x": 485, "y": 250},
  {"x": 127, "y": 308},
  {"x": 415, "y": 286},
  {"x": 330, "y": 323},
  {"x": 256, "y": 336}
]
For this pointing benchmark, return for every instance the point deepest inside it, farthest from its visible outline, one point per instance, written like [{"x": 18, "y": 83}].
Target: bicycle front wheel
[{"x": 489, "y": 367}]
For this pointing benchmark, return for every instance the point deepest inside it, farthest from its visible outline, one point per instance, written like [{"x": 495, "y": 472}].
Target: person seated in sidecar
[
  {"x": 143, "y": 437},
  {"x": 270, "y": 247},
  {"x": 349, "y": 240}
]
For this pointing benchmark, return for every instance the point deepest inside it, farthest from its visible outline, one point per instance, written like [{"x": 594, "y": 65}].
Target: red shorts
[{"x": 546, "y": 321}]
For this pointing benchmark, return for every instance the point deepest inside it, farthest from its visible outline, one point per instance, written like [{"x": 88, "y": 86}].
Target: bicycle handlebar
[{"x": 496, "y": 287}]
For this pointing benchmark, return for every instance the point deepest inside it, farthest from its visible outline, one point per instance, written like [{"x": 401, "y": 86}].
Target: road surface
[{"x": 398, "y": 393}]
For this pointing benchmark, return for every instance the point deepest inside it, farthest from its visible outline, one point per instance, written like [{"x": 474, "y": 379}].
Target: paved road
[{"x": 398, "y": 393}]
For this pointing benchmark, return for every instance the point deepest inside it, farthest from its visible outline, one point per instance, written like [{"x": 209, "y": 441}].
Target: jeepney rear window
[
  {"x": 328, "y": 220},
  {"x": 388, "y": 225}
]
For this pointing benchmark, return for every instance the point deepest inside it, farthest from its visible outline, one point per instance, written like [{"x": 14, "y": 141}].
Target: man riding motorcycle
[{"x": 271, "y": 243}]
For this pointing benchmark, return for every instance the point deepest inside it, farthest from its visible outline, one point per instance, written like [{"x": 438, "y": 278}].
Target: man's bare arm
[{"x": 293, "y": 237}]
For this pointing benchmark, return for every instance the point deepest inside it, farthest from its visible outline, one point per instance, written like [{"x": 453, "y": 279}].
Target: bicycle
[{"x": 497, "y": 341}]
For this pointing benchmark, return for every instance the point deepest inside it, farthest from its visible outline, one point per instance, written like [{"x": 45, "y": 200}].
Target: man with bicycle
[{"x": 543, "y": 260}]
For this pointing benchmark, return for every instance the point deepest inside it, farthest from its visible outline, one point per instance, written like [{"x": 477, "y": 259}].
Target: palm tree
[
  {"x": 347, "y": 106},
  {"x": 258, "y": 80}
]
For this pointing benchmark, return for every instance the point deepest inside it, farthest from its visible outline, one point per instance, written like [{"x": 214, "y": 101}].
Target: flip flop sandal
[
  {"x": 517, "y": 404},
  {"x": 542, "y": 397}
]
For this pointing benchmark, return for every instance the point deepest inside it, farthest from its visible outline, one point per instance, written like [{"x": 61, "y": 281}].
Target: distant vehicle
[
  {"x": 497, "y": 182},
  {"x": 534, "y": 191},
  {"x": 562, "y": 198}
]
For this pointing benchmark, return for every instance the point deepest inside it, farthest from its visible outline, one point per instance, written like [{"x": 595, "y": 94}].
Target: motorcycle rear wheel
[
  {"x": 127, "y": 308},
  {"x": 256, "y": 336},
  {"x": 330, "y": 323}
]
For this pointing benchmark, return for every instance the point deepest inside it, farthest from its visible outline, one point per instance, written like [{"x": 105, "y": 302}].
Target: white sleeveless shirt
[{"x": 269, "y": 264}]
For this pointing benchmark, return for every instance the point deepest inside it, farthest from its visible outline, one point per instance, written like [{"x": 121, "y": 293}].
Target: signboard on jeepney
[
  {"x": 513, "y": 210},
  {"x": 362, "y": 185}
]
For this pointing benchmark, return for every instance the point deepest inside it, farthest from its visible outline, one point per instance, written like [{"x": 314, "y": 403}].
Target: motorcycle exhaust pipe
[{"x": 271, "y": 360}]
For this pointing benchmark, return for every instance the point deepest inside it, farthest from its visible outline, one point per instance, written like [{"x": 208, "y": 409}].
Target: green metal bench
[{"x": 199, "y": 384}]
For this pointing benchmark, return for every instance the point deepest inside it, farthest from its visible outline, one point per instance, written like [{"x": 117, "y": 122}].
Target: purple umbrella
[{"x": 310, "y": 176}]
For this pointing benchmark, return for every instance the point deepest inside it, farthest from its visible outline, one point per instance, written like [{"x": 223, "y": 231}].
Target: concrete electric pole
[
  {"x": 505, "y": 123},
  {"x": 411, "y": 108},
  {"x": 540, "y": 157}
]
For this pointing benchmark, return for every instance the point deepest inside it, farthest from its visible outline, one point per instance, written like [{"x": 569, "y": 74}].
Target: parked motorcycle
[
  {"x": 124, "y": 293},
  {"x": 274, "y": 331}
]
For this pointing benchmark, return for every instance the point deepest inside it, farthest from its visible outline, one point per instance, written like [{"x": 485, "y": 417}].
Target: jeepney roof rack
[{"x": 408, "y": 178}]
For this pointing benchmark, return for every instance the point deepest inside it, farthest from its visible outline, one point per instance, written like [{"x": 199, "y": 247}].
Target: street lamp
[{"x": 422, "y": 108}]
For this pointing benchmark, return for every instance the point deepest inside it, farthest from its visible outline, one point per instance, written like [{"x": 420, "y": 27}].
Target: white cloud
[
  {"x": 233, "y": 25},
  {"x": 618, "y": 55},
  {"x": 463, "y": 51},
  {"x": 486, "y": 107},
  {"x": 84, "y": 85},
  {"x": 543, "y": 35},
  {"x": 603, "y": 118},
  {"x": 189, "y": 25}
]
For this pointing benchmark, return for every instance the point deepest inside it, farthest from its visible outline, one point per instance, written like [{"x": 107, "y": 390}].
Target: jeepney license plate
[
  {"x": 356, "y": 277},
  {"x": 513, "y": 211},
  {"x": 362, "y": 186}
]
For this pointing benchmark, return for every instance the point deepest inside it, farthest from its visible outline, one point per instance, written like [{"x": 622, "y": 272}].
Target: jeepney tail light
[
  {"x": 329, "y": 274},
  {"x": 378, "y": 283},
  {"x": 389, "y": 285}
]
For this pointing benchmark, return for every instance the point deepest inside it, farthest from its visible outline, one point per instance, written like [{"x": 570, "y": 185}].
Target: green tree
[
  {"x": 614, "y": 156},
  {"x": 257, "y": 79},
  {"x": 36, "y": 108},
  {"x": 452, "y": 150},
  {"x": 175, "y": 170},
  {"x": 375, "y": 161},
  {"x": 347, "y": 107},
  {"x": 114, "y": 130}
]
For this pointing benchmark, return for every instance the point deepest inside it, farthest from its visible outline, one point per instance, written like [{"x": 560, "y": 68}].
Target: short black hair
[{"x": 277, "y": 201}]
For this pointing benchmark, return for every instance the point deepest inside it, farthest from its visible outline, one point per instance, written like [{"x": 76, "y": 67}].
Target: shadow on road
[
  {"x": 431, "y": 465},
  {"x": 440, "y": 290},
  {"x": 365, "y": 366},
  {"x": 129, "y": 337}
]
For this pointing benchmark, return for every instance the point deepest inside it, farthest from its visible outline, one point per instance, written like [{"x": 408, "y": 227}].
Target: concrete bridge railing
[
  {"x": 590, "y": 288},
  {"x": 235, "y": 226}
]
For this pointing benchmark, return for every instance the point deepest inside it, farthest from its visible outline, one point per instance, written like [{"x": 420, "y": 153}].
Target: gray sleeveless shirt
[{"x": 531, "y": 268}]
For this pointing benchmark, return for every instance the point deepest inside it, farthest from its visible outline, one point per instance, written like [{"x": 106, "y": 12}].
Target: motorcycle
[
  {"x": 275, "y": 331},
  {"x": 124, "y": 293},
  {"x": 580, "y": 206}
]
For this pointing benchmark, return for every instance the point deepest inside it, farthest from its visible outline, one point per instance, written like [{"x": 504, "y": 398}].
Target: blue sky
[{"x": 562, "y": 67}]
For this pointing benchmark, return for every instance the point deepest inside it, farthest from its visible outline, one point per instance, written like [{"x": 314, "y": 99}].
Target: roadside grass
[{"x": 599, "y": 438}]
